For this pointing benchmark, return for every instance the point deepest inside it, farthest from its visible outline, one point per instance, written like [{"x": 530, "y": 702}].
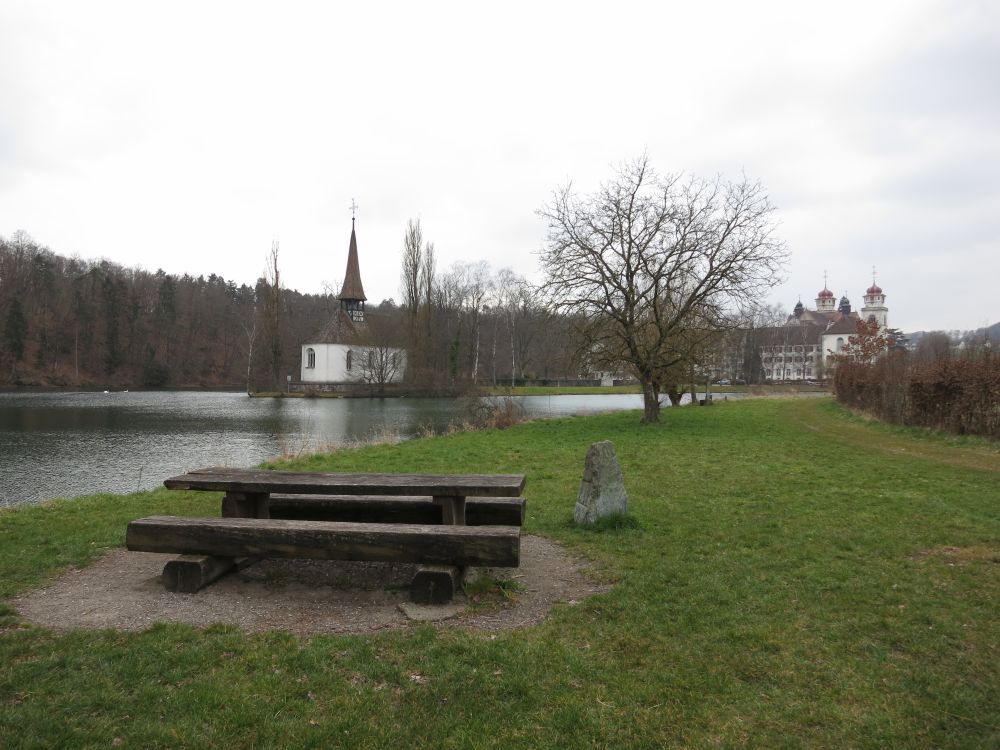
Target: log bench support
[
  {"x": 245, "y": 505},
  {"x": 190, "y": 573},
  {"x": 452, "y": 509},
  {"x": 436, "y": 584}
]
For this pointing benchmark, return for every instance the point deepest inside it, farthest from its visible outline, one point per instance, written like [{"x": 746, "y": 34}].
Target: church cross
[{"x": 354, "y": 209}]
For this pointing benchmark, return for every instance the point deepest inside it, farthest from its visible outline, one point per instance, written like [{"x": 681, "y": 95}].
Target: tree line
[{"x": 93, "y": 323}]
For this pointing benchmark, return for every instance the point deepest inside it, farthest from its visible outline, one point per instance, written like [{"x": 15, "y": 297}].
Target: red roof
[
  {"x": 825, "y": 294},
  {"x": 874, "y": 289}
]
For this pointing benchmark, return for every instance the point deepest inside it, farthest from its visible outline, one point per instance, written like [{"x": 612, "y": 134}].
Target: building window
[
  {"x": 840, "y": 344},
  {"x": 350, "y": 359},
  {"x": 310, "y": 358}
]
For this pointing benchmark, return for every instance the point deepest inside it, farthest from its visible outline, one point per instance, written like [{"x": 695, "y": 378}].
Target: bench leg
[
  {"x": 436, "y": 584},
  {"x": 246, "y": 505},
  {"x": 452, "y": 509},
  {"x": 189, "y": 573}
]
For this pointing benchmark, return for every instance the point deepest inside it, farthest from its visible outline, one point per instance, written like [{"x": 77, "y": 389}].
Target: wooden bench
[
  {"x": 444, "y": 522},
  {"x": 327, "y": 540},
  {"x": 479, "y": 511}
]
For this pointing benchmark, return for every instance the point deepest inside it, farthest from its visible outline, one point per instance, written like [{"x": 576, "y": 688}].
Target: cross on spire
[
  {"x": 354, "y": 209},
  {"x": 873, "y": 274}
]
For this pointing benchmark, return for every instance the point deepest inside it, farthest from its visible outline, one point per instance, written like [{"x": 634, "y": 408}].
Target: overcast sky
[{"x": 185, "y": 136}]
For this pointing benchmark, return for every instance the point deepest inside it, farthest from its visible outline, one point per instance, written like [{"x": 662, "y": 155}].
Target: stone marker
[{"x": 602, "y": 491}]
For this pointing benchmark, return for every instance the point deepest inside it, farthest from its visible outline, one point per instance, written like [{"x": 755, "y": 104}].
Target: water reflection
[{"x": 67, "y": 444}]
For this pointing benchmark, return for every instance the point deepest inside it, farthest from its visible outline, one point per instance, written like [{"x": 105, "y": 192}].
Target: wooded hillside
[
  {"x": 68, "y": 322},
  {"x": 73, "y": 322}
]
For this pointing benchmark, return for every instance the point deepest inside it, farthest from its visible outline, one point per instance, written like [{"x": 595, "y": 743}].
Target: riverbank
[
  {"x": 753, "y": 603},
  {"x": 560, "y": 390}
]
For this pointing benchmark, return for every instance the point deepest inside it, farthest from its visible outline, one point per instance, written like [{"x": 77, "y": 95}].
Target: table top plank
[{"x": 255, "y": 480}]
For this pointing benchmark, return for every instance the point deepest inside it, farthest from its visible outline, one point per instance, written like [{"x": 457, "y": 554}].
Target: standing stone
[{"x": 602, "y": 491}]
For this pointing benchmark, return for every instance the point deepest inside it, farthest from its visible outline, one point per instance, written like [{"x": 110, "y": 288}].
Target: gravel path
[{"x": 122, "y": 590}]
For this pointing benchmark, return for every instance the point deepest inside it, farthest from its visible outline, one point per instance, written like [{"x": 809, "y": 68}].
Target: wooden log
[
  {"x": 436, "y": 584},
  {"x": 479, "y": 511},
  {"x": 251, "y": 480},
  {"x": 189, "y": 573},
  {"x": 327, "y": 540}
]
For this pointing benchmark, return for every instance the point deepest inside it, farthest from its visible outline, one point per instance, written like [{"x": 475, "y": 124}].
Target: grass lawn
[
  {"x": 799, "y": 577},
  {"x": 604, "y": 390}
]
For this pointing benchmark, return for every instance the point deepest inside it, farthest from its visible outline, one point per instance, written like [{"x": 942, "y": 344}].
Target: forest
[{"x": 70, "y": 322}]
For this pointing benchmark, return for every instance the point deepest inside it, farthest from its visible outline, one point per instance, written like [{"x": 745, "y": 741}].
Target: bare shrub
[
  {"x": 958, "y": 394},
  {"x": 499, "y": 412}
]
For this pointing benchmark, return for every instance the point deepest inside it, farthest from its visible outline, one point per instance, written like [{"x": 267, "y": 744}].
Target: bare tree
[
  {"x": 250, "y": 331},
  {"x": 652, "y": 266},
  {"x": 427, "y": 286},
  {"x": 413, "y": 242},
  {"x": 272, "y": 312},
  {"x": 478, "y": 284},
  {"x": 381, "y": 359}
]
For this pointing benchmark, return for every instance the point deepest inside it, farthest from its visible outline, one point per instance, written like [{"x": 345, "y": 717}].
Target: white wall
[{"x": 331, "y": 364}]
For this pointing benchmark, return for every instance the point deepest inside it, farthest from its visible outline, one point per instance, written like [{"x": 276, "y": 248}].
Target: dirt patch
[
  {"x": 960, "y": 555},
  {"x": 123, "y": 591}
]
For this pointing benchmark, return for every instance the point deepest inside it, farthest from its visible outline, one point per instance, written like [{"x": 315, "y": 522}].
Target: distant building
[
  {"x": 342, "y": 352},
  {"x": 800, "y": 349}
]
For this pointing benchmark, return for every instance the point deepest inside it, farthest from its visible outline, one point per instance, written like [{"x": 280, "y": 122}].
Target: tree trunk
[
  {"x": 650, "y": 403},
  {"x": 674, "y": 394}
]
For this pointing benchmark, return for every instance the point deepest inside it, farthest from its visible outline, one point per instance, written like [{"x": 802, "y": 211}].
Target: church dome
[
  {"x": 825, "y": 294},
  {"x": 874, "y": 289}
]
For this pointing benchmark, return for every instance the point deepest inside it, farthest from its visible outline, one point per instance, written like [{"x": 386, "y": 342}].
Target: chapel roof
[{"x": 340, "y": 330}]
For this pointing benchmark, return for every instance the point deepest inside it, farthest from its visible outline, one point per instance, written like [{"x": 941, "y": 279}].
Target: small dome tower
[
  {"x": 825, "y": 301},
  {"x": 875, "y": 308}
]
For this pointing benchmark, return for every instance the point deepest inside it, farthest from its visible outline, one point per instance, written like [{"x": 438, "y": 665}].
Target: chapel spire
[{"x": 352, "y": 294}]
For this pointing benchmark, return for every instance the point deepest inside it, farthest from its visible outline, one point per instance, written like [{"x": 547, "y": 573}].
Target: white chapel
[{"x": 339, "y": 355}]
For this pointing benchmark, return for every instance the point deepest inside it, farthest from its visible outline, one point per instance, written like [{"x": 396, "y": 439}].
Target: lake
[{"x": 69, "y": 444}]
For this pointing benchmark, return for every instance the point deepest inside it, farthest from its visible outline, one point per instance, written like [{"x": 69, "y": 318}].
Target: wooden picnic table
[
  {"x": 341, "y": 516},
  {"x": 248, "y": 491}
]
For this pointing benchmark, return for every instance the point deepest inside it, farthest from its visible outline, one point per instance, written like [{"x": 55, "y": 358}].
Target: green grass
[
  {"x": 561, "y": 390},
  {"x": 789, "y": 575},
  {"x": 604, "y": 390}
]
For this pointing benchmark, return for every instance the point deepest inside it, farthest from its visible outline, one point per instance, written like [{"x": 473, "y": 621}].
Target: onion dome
[
  {"x": 798, "y": 310},
  {"x": 825, "y": 294},
  {"x": 845, "y": 305},
  {"x": 873, "y": 289}
]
